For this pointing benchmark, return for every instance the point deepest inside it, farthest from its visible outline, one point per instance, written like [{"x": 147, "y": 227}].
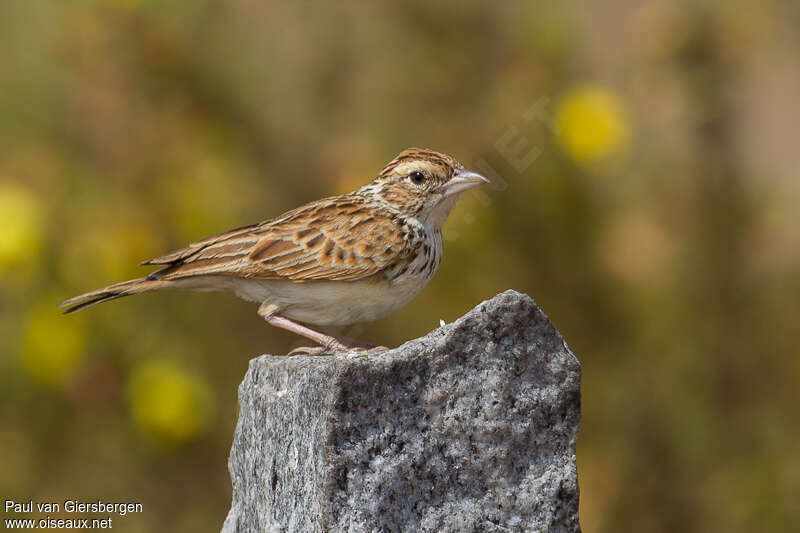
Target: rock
[{"x": 470, "y": 428}]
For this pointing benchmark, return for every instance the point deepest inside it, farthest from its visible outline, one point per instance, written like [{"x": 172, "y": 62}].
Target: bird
[{"x": 341, "y": 260}]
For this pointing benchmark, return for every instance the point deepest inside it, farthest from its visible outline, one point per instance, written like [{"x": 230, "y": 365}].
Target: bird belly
[{"x": 332, "y": 303}]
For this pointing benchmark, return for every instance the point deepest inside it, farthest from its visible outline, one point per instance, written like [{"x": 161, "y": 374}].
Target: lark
[{"x": 347, "y": 259}]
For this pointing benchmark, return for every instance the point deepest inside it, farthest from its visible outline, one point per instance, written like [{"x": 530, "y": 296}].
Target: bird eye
[{"x": 416, "y": 178}]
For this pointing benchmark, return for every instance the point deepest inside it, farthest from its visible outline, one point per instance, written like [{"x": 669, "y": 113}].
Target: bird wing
[{"x": 334, "y": 239}]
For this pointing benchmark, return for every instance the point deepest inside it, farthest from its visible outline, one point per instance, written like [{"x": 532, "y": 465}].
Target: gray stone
[{"x": 470, "y": 428}]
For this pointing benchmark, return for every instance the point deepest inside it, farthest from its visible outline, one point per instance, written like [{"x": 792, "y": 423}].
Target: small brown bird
[{"x": 341, "y": 260}]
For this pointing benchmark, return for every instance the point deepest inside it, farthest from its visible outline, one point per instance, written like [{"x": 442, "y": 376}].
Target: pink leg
[{"x": 328, "y": 344}]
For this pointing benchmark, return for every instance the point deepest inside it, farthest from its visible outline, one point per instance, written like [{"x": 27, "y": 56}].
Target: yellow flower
[
  {"x": 20, "y": 226},
  {"x": 591, "y": 124},
  {"x": 168, "y": 404},
  {"x": 52, "y": 346}
]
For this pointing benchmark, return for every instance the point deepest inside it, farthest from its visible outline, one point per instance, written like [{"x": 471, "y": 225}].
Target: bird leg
[{"x": 329, "y": 344}]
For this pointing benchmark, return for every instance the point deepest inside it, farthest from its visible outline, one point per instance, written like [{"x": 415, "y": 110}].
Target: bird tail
[{"x": 112, "y": 292}]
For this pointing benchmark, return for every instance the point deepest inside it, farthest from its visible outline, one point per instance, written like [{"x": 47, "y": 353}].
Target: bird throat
[{"x": 438, "y": 214}]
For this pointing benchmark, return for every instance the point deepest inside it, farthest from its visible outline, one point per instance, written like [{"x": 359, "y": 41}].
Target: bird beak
[{"x": 461, "y": 181}]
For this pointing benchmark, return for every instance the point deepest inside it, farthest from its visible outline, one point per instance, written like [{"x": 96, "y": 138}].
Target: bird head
[{"x": 424, "y": 184}]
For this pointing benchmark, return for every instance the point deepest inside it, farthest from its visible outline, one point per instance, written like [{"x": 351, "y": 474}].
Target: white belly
[{"x": 332, "y": 303}]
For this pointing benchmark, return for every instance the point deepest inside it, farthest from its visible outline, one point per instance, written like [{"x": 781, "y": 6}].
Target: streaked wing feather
[
  {"x": 195, "y": 247},
  {"x": 313, "y": 242}
]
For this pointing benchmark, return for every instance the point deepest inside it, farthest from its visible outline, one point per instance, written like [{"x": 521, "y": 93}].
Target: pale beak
[{"x": 461, "y": 181}]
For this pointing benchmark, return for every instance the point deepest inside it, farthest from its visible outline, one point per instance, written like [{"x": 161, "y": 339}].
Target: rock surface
[{"x": 470, "y": 428}]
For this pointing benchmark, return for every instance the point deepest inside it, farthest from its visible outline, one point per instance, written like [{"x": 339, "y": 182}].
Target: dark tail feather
[{"x": 112, "y": 292}]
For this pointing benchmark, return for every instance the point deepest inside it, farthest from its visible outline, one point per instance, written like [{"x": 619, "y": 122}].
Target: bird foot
[
  {"x": 311, "y": 350},
  {"x": 365, "y": 352},
  {"x": 362, "y": 349}
]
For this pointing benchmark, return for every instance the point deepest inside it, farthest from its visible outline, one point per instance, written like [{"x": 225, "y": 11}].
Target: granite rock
[{"x": 471, "y": 428}]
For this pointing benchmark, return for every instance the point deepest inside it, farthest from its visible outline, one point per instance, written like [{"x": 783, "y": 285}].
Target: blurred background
[{"x": 645, "y": 159}]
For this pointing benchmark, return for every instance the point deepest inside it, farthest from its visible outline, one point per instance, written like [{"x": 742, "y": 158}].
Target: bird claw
[
  {"x": 377, "y": 349},
  {"x": 361, "y": 349},
  {"x": 312, "y": 350},
  {"x": 366, "y": 352}
]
